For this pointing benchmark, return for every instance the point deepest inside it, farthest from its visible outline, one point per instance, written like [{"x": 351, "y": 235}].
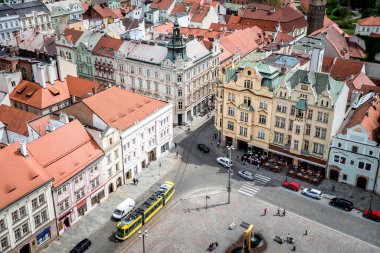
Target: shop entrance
[
  {"x": 361, "y": 183},
  {"x": 334, "y": 174},
  {"x": 25, "y": 248}
]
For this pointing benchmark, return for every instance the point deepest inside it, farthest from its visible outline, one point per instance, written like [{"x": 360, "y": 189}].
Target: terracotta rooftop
[
  {"x": 356, "y": 51},
  {"x": 370, "y": 21},
  {"x": 65, "y": 152},
  {"x": 343, "y": 69},
  {"x": 72, "y": 35},
  {"x": 19, "y": 175},
  {"x": 121, "y": 108},
  {"x": 368, "y": 116},
  {"x": 107, "y": 46},
  {"x": 199, "y": 12},
  {"x": 327, "y": 64},
  {"x": 39, "y": 125},
  {"x": 34, "y": 95},
  {"x": 16, "y": 119},
  {"x": 106, "y": 12},
  {"x": 161, "y": 4},
  {"x": 80, "y": 88}
]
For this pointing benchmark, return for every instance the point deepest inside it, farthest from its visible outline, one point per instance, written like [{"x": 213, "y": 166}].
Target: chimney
[
  {"x": 63, "y": 118},
  {"x": 50, "y": 128},
  {"x": 94, "y": 90},
  {"x": 23, "y": 149}
]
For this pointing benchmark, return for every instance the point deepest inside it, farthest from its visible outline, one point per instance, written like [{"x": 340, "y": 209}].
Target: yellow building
[{"x": 243, "y": 106}]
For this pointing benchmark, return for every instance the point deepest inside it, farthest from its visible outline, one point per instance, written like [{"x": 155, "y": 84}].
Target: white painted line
[
  {"x": 252, "y": 187},
  {"x": 263, "y": 177},
  {"x": 261, "y": 182},
  {"x": 248, "y": 190},
  {"x": 333, "y": 229},
  {"x": 245, "y": 193}
]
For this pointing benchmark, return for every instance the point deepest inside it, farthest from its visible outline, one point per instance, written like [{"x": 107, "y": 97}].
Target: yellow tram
[{"x": 138, "y": 217}]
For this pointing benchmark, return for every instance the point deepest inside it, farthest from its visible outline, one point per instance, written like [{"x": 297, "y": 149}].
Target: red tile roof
[
  {"x": 356, "y": 51},
  {"x": 337, "y": 40},
  {"x": 107, "y": 46},
  {"x": 327, "y": 64},
  {"x": 39, "y": 125},
  {"x": 161, "y": 4},
  {"x": 34, "y": 95},
  {"x": 343, "y": 69},
  {"x": 106, "y": 12},
  {"x": 66, "y": 151},
  {"x": 121, "y": 108},
  {"x": 361, "y": 83},
  {"x": 266, "y": 17},
  {"x": 72, "y": 35},
  {"x": 370, "y": 21},
  {"x": 16, "y": 119},
  {"x": 368, "y": 116},
  {"x": 19, "y": 175},
  {"x": 199, "y": 13},
  {"x": 80, "y": 88}
]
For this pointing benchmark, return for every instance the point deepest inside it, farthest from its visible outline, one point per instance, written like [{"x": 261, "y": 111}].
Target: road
[{"x": 199, "y": 174}]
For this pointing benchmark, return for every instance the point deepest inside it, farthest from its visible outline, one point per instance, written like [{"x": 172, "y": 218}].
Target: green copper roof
[
  {"x": 231, "y": 75},
  {"x": 231, "y": 6},
  {"x": 301, "y": 104}
]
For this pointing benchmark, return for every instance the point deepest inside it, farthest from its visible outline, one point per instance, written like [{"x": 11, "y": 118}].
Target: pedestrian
[
  {"x": 137, "y": 181},
  {"x": 288, "y": 237},
  {"x": 278, "y": 212},
  {"x": 134, "y": 180},
  {"x": 159, "y": 164},
  {"x": 294, "y": 248},
  {"x": 283, "y": 213},
  {"x": 305, "y": 232},
  {"x": 258, "y": 166},
  {"x": 217, "y": 144},
  {"x": 175, "y": 145},
  {"x": 333, "y": 188},
  {"x": 265, "y": 211},
  {"x": 177, "y": 154}
]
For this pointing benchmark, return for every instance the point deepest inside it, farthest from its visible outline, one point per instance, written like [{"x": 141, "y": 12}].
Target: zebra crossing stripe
[
  {"x": 264, "y": 178},
  {"x": 245, "y": 193},
  {"x": 249, "y": 189},
  {"x": 252, "y": 187}
]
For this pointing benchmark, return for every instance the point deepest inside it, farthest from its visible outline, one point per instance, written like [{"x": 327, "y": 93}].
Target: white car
[
  {"x": 313, "y": 193},
  {"x": 224, "y": 161},
  {"x": 246, "y": 174}
]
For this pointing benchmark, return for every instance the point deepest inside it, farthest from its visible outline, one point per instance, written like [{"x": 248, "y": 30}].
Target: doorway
[
  {"x": 110, "y": 188},
  {"x": 334, "y": 174},
  {"x": 25, "y": 248},
  {"x": 179, "y": 119},
  {"x": 66, "y": 221},
  {"x": 118, "y": 182},
  {"x": 143, "y": 164},
  {"x": 361, "y": 183},
  {"x": 129, "y": 174}
]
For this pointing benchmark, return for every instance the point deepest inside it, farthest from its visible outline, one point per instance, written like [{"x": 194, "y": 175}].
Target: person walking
[
  {"x": 134, "y": 180},
  {"x": 283, "y": 213},
  {"x": 333, "y": 188},
  {"x": 265, "y": 211},
  {"x": 305, "y": 232},
  {"x": 278, "y": 212}
]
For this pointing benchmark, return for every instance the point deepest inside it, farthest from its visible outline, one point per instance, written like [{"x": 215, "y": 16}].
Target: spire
[{"x": 176, "y": 46}]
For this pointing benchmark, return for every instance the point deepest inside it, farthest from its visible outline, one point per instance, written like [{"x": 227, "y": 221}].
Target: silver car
[
  {"x": 224, "y": 161},
  {"x": 312, "y": 193},
  {"x": 246, "y": 174}
]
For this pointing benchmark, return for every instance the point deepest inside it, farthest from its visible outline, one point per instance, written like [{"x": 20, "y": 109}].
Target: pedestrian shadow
[{"x": 112, "y": 238}]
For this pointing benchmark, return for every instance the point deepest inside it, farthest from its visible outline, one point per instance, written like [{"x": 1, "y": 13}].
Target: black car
[
  {"x": 203, "y": 148},
  {"x": 342, "y": 203},
  {"x": 82, "y": 246}
]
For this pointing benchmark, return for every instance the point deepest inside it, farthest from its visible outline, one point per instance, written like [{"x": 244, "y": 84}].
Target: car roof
[
  {"x": 345, "y": 200},
  {"x": 314, "y": 190},
  {"x": 294, "y": 183},
  {"x": 374, "y": 212}
]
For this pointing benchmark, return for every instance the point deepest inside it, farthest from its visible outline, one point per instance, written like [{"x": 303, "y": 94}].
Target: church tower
[
  {"x": 176, "y": 47},
  {"x": 315, "y": 15}
]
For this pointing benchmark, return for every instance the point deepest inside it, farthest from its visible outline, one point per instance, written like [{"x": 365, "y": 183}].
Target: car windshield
[{"x": 117, "y": 212}]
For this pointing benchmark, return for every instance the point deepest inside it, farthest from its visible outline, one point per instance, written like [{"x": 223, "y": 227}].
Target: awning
[
  {"x": 81, "y": 203},
  {"x": 295, "y": 157}
]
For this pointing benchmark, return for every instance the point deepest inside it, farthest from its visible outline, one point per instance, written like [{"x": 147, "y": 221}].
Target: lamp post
[
  {"x": 143, "y": 235},
  {"x": 207, "y": 197},
  {"x": 230, "y": 148}
]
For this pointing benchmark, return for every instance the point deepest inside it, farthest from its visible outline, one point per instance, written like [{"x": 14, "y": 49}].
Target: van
[{"x": 123, "y": 209}]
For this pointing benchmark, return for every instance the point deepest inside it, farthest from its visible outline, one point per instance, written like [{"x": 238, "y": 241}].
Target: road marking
[
  {"x": 251, "y": 187},
  {"x": 245, "y": 193},
  {"x": 315, "y": 222},
  {"x": 248, "y": 189}
]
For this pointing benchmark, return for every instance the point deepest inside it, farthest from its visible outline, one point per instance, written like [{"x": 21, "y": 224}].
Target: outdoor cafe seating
[{"x": 307, "y": 175}]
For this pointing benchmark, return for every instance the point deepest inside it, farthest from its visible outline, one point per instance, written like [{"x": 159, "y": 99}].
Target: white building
[
  {"x": 368, "y": 26},
  {"x": 355, "y": 151},
  {"x": 32, "y": 15},
  {"x": 144, "y": 124},
  {"x": 177, "y": 72},
  {"x": 27, "y": 217},
  {"x": 62, "y": 12},
  {"x": 9, "y": 23}
]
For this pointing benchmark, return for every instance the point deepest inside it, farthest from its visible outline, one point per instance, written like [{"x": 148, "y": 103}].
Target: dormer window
[{"x": 248, "y": 84}]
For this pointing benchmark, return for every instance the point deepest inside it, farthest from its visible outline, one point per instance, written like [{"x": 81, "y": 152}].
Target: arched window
[
  {"x": 248, "y": 84},
  {"x": 249, "y": 73}
]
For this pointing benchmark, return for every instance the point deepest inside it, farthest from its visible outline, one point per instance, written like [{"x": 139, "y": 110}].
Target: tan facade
[{"x": 243, "y": 111}]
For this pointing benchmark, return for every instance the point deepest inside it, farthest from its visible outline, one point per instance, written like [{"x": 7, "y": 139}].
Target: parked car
[
  {"x": 372, "y": 215},
  {"x": 342, "y": 203},
  {"x": 203, "y": 148},
  {"x": 313, "y": 193},
  {"x": 123, "y": 209},
  {"x": 246, "y": 174},
  {"x": 291, "y": 185},
  {"x": 224, "y": 161},
  {"x": 82, "y": 246}
]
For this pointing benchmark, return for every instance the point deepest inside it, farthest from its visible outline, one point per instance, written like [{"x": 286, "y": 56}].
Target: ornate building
[{"x": 315, "y": 15}]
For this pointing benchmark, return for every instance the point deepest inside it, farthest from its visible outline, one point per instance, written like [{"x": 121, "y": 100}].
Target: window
[
  {"x": 308, "y": 129},
  {"x": 325, "y": 118},
  {"x": 230, "y": 125},
  {"x": 156, "y": 75},
  {"x": 295, "y": 146},
  {"x": 179, "y": 78},
  {"x": 293, "y": 110},
  {"x": 340, "y": 159},
  {"x": 320, "y": 132},
  {"x": 25, "y": 228},
  {"x": 22, "y": 211},
  {"x": 318, "y": 148},
  {"x": 61, "y": 190},
  {"x": 168, "y": 90},
  {"x": 117, "y": 167},
  {"x": 140, "y": 71},
  {"x": 18, "y": 234},
  {"x": 248, "y": 84},
  {"x": 280, "y": 122},
  {"x": 363, "y": 165},
  {"x": 310, "y": 114},
  {"x": 298, "y": 129},
  {"x": 306, "y": 145},
  {"x": 243, "y": 131},
  {"x": 231, "y": 97},
  {"x": 231, "y": 111},
  {"x": 247, "y": 101},
  {"x": 95, "y": 183},
  {"x": 167, "y": 78},
  {"x": 34, "y": 203},
  {"x": 15, "y": 216},
  {"x": 354, "y": 149},
  {"x": 291, "y": 125},
  {"x": 261, "y": 134},
  {"x": 44, "y": 216},
  {"x": 262, "y": 119},
  {"x": 263, "y": 104},
  {"x": 244, "y": 116},
  {"x": 180, "y": 105},
  {"x": 4, "y": 244},
  {"x": 109, "y": 172},
  {"x": 180, "y": 93},
  {"x": 116, "y": 152},
  {"x": 2, "y": 225},
  {"x": 281, "y": 108},
  {"x": 37, "y": 220},
  {"x": 344, "y": 177},
  {"x": 63, "y": 205},
  {"x": 278, "y": 137}
]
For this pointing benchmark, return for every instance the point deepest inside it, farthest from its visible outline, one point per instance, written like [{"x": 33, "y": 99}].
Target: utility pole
[
  {"x": 207, "y": 197},
  {"x": 230, "y": 148},
  {"x": 143, "y": 235}
]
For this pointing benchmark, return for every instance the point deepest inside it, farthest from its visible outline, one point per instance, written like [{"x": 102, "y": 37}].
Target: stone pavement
[
  {"x": 359, "y": 197},
  {"x": 191, "y": 228}
]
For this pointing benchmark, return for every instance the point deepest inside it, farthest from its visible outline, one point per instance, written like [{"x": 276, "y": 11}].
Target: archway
[
  {"x": 25, "y": 248},
  {"x": 118, "y": 182},
  {"x": 334, "y": 174},
  {"x": 66, "y": 221},
  {"x": 110, "y": 188},
  {"x": 361, "y": 183}
]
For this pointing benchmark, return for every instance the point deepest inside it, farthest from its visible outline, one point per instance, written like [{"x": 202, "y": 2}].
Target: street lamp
[
  {"x": 143, "y": 235},
  {"x": 230, "y": 148},
  {"x": 207, "y": 197}
]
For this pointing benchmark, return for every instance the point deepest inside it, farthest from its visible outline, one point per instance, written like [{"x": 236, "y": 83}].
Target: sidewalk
[
  {"x": 98, "y": 217},
  {"x": 359, "y": 197}
]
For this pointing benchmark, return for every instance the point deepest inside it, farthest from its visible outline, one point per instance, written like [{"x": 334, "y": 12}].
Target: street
[{"x": 198, "y": 175}]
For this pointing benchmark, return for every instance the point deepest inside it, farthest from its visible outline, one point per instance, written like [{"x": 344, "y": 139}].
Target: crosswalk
[{"x": 251, "y": 188}]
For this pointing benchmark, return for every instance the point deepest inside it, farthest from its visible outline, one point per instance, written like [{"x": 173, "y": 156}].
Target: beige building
[
  {"x": 308, "y": 110},
  {"x": 244, "y": 105}
]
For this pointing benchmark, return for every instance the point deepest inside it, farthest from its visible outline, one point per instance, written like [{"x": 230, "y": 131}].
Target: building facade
[
  {"x": 33, "y": 15},
  {"x": 9, "y": 23},
  {"x": 368, "y": 26},
  {"x": 355, "y": 152},
  {"x": 63, "y": 12},
  {"x": 315, "y": 15}
]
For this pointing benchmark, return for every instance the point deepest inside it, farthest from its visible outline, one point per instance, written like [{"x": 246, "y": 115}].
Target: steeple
[{"x": 176, "y": 46}]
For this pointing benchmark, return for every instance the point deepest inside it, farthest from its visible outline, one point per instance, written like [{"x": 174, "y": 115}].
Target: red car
[
  {"x": 291, "y": 185},
  {"x": 372, "y": 214}
]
